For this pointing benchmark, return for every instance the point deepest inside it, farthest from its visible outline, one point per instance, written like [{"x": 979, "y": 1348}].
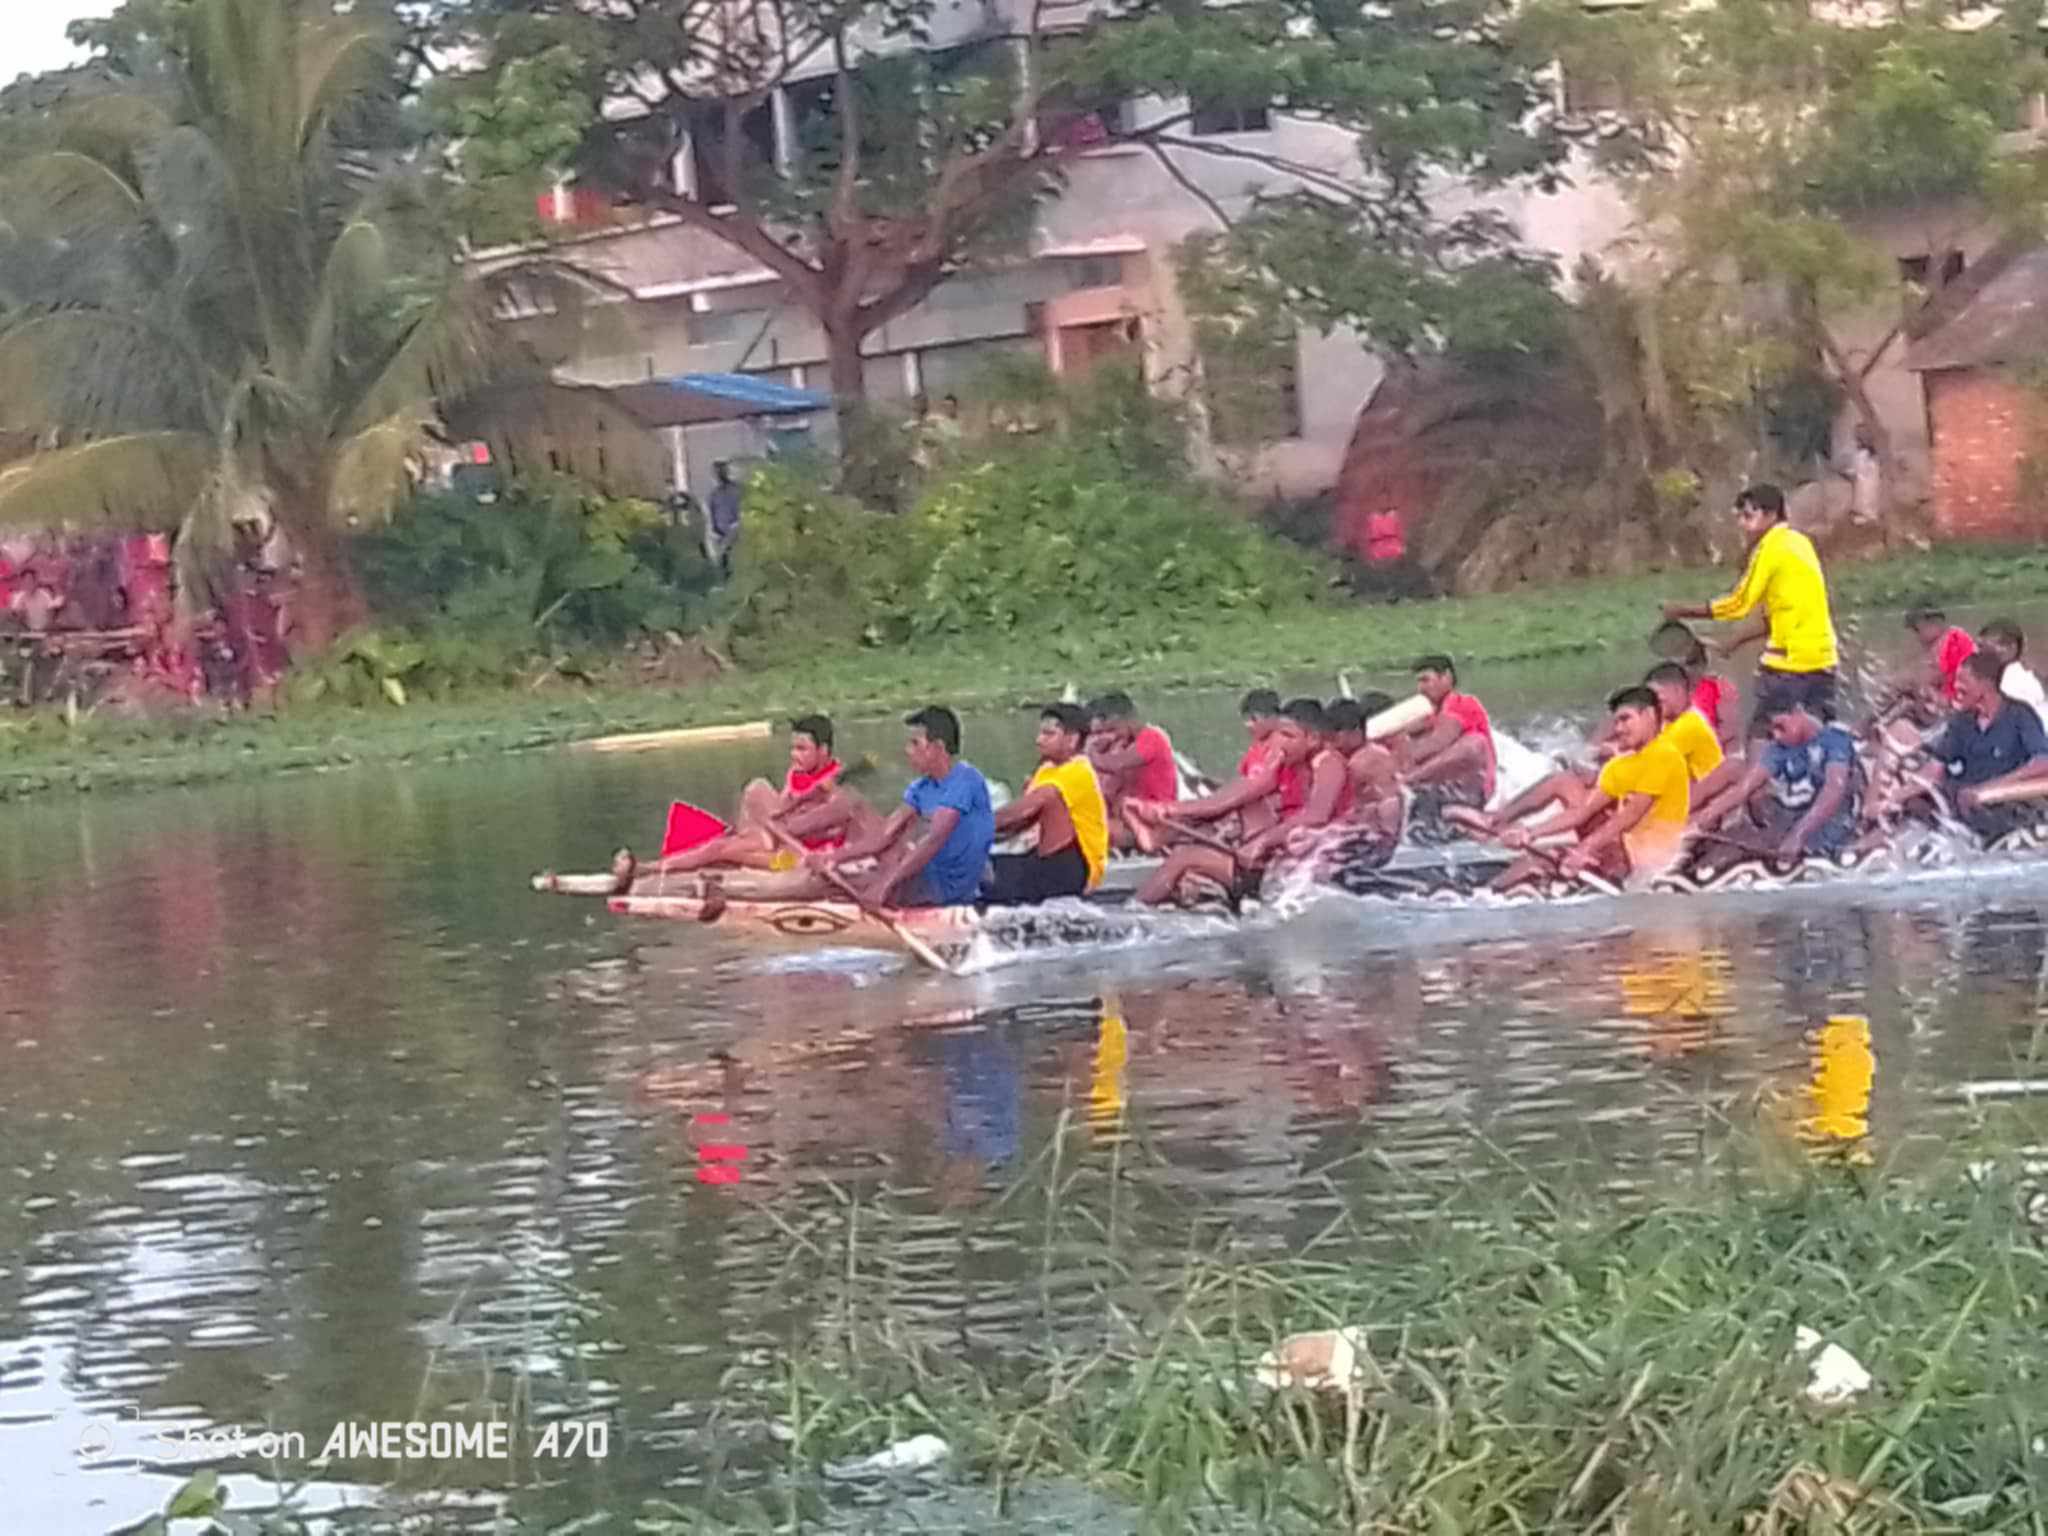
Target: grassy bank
[
  {"x": 43, "y": 753},
  {"x": 1530, "y": 1362}
]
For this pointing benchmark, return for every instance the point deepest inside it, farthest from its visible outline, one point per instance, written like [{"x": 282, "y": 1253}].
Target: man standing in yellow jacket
[{"x": 1784, "y": 575}]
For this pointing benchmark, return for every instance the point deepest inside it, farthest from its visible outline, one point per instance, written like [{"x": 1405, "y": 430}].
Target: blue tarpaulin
[
  {"x": 690, "y": 399},
  {"x": 757, "y": 395}
]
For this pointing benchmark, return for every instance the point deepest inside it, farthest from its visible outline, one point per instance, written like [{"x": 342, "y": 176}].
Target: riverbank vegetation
[
  {"x": 1527, "y": 1359},
  {"x": 545, "y": 705},
  {"x": 1525, "y": 1356}
]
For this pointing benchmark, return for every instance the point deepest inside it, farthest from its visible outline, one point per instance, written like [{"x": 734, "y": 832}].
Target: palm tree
[{"x": 232, "y": 294}]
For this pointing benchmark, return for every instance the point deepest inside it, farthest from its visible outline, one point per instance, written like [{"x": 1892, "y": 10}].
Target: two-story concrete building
[{"x": 1097, "y": 278}]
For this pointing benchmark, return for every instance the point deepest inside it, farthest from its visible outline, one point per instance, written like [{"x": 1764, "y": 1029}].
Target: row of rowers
[
  {"x": 1108, "y": 781},
  {"x": 1960, "y": 739}
]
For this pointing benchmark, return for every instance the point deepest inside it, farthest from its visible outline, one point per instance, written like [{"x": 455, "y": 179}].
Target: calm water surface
[{"x": 312, "y": 1113}]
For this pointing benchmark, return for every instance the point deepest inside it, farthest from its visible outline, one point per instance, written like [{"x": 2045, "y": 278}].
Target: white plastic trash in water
[
  {"x": 912, "y": 1455},
  {"x": 1323, "y": 1361},
  {"x": 1834, "y": 1375}
]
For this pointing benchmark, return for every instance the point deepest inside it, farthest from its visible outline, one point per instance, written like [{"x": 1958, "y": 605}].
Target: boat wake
[{"x": 1072, "y": 926}]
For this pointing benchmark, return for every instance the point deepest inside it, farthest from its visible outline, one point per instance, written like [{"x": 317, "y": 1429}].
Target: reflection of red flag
[{"x": 718, "y": 1161}]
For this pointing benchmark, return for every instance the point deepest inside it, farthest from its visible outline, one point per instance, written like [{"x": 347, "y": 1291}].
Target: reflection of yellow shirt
[
  {"x": 1659, "y": 772},
  {"x": 1075, "y": 780},
  {"x": 1694, "y": 740},
  {"x": 1112, "y": 1050},
  {"x": 1784, "y": 575},
  {"x": 1844, "y": 1068}
]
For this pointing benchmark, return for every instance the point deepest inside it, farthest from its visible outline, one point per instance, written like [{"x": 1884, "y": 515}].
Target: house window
[
  {"x": 1915, "y": 269},
  {"x": 715, "y": 183},
  {"x": 1213, "y": 117},
  {"x": 1587, "y": 92},
  {"x": 720, "y": 326},
  {"x": 1095, "y": 272},
  {"x": 1251, "y": 381},
  {"x": 1072, "y": 115},
  {"x": 1218, "y": 117}
]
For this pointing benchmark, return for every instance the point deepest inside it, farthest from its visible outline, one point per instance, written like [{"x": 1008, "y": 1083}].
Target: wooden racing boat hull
[{"x": 1105, "y": 917}]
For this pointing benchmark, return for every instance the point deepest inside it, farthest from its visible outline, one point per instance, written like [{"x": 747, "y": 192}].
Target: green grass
[
  {"x": 42, "y": 753},
  {"x": 1535, "y": 1362}
]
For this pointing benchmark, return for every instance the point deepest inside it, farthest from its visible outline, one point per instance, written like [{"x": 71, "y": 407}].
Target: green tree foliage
[
  {"x": 228, "y": 292},
  {"x": 921, "y": 144},
  {"x": 1754, "y": 135},
  {"x": 1093, "y": 528},
  {"x": 470, "y": 592}
]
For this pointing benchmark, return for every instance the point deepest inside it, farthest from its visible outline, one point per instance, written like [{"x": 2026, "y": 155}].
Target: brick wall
[{"x": 1982, "y": 426}]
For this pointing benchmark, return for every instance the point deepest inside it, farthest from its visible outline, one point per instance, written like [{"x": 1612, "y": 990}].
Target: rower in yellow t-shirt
[
  {"x": 1784, "y": 575},
  {"x": 1686, "y": 730},
  {"x": 1633, "y": 823},
  {"x": 1063, "y": 804},
  {"x": 1657, "y": 771}
]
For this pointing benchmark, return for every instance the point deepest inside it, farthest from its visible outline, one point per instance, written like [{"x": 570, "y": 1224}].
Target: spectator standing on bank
[{"x": 722, "y": 528}]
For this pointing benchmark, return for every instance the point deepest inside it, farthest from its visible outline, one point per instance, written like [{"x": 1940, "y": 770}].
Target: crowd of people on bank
[{"x": 108, "y": 601}]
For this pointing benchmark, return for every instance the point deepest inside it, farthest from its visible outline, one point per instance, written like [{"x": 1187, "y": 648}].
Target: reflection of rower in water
[
  {"x": 1991, "y": 742},
  {"x": 1062, "y": 806},
  {"x": 1632, "y": 824},
  {"x": 1314, "y": 786},
  {"x": 812, "y": 806},
  {"x": 1803, "y": 789}
]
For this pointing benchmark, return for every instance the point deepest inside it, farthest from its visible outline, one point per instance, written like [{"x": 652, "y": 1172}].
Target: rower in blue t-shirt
[
  {"x": 1796, "y": 772},
  {"x": 1990, "y": 741},
  {"x": 944, "y": 866},
  {"x": 1802, "y": 790}
]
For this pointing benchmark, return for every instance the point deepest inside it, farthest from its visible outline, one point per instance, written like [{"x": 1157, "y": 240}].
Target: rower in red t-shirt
[
  {"x": 812, "y": 806},
  {"x": 1314, "y": 791},
  {"x": 1947, "y": 649},
  {"x": 1251, "y": 797},
  {"x": 1451, "y": 761},
  {"x": 1133, "y": 761},
  {"x": 1927, "y": 693}
]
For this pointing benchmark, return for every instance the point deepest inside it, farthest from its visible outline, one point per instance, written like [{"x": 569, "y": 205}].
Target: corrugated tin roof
[
  {"x": 2006, "y": 322},
  {"x": 657, "y": 260}
]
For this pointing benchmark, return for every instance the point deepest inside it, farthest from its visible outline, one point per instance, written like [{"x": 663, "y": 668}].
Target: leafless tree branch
[{"x": 1187, "y": 183}]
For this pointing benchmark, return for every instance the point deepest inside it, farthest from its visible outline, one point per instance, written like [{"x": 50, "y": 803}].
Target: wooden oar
[
  {"x": 909, "y": 940},
  {"x": 2010, "y": 794}
]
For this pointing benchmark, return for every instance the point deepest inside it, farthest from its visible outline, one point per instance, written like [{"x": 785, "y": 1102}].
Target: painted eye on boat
[{"x": 803, "y": 922}]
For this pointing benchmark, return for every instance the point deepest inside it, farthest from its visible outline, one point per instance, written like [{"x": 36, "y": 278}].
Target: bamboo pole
[{"x": 686, "y": 736}]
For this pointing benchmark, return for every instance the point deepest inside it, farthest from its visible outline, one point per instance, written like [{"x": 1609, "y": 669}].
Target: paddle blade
[
  {"x": 689, "y": 826},
  {"x": 1674, "y": 641}
]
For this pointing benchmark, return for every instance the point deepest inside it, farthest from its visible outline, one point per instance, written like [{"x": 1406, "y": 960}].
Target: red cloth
[
  {"x": 1156, "y": 780},
  {"x": 801, "y": 783},
  {"x": 1294, "y": 783},
  {"x": 1955, "y": 648},
  {"x": 1255, "y": 756},
  {"x": 1347, "y": 792},
  {"x": 1711, "y": 695},
  {"x": 1471, "y": 717},
  {"x": 1385, "y": 537}
]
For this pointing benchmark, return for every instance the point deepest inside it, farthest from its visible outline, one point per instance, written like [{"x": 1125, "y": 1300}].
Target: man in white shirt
[{"x": 2005, "y": 640}]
